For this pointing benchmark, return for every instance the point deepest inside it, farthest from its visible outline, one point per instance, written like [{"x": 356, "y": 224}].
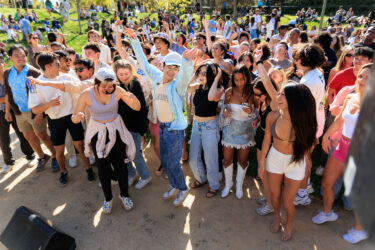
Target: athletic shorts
[
  {"x": 279, "y": 163},
  {"x": 342, "y": 150},
  {"x": 26, "y": 123},
  {"x": 58, "y": 128}
]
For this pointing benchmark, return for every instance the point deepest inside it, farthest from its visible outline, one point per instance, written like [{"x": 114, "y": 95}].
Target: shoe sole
[{"x": 325, "y": 221}]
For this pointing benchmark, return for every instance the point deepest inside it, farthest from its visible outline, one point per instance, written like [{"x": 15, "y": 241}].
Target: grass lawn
[{"x": 71, "y": 28}]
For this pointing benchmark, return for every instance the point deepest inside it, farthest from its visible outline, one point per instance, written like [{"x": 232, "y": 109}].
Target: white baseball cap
[
  {"x": 105, "y": 74},
  {"x": 173, "y": 58}
]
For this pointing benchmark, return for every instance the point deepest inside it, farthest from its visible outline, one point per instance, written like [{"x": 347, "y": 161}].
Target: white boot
[
  {"x": 228, "y": 172},
  {"x": 241, "y": 173}
]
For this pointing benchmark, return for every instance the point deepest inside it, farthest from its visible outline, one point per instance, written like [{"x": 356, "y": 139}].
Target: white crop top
[{"x": 350, "y": 120}]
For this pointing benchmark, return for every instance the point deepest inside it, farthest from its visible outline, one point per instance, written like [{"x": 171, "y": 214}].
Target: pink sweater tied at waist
[{"x": 103, "y": 148}]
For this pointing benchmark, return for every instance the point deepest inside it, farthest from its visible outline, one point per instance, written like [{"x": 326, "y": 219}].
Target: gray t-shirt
[
  {"x": 178, "y": 49},
  {"x": 285, "y": 64}
]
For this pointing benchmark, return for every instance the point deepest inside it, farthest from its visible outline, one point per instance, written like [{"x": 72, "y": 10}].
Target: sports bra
[
  {"x": 103, "y": 112},
  {"x": 273, "y": 131}
]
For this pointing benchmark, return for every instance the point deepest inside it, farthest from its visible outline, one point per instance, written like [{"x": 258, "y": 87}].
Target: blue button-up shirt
[{"x": 17, "y": 82}]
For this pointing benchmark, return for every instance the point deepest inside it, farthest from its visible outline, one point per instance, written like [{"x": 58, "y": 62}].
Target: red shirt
[{"x": 342, "y": 79}]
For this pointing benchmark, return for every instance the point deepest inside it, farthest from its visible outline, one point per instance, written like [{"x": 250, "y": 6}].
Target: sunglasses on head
[{"x": 79, "y": 69}]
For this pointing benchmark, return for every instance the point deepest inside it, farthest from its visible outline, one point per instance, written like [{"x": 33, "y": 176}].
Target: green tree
[{"x": 173, "y": 6}]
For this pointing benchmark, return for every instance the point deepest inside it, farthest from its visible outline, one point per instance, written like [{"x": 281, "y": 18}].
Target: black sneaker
[
  {"x": 30, "y": 157},
  {"x": 63, "y": 179},
  {"x": 90, "y": 175},
  {"x": 42, "y": 162}
]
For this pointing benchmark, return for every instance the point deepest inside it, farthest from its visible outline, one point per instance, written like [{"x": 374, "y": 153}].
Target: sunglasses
[
  {"x": 203, "y": 73},
  {"x": 79, "y": 69},
  {"x": 35, "y": 37},
  {"x": 258, "y": 95},
  {"x": 68, "y": 59},
  {"x": 349, "y": 55}
]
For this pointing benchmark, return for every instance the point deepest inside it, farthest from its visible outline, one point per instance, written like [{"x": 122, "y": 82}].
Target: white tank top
[{"x": 350, "y": 120}]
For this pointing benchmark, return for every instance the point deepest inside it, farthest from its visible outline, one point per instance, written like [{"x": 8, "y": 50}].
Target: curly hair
[{"x": 311, "y": 56}]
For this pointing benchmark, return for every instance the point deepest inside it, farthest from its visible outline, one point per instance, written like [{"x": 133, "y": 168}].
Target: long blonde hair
[
  {"x": 124, "y": 64},
  {"x": 341, "y": 61}
]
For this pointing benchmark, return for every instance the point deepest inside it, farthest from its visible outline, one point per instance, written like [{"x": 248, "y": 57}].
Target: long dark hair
[
  {"x": 248, "y": 89},
  {"x": 302, "y": 111},
  {"x": 210, "y": 75}
]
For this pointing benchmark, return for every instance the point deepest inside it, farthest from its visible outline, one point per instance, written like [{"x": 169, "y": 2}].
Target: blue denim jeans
[
  {"x": 171, "y": 142},
  {"x": 205, "y": 136},
  {"x": 139, "y": 161}
]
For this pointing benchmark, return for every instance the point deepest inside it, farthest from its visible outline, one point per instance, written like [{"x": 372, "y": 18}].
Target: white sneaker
[
  {"x": 319, "y": 171},
  {"x": 127, "y": 202},
  {"x": 107, "y": 207},
  {"x": 171, "y": 192},
  {"x": 131, "y": 180},
  {"x": 142, "y": 183},
  {"x": 322, "y": 217},
  {"x": 32, "y": 162},
  {"x": 113, "y": 183},
  {"x": 309, "y": 189},
  {"x": 73, "y": 161},
  {"x": 92, "y": 160},
  {"x": 180, "y": 197},
  {"x": 304, "y": 201},
  {"x": 264, "y": 210},
  {"x": 6, "y": 169},
  {"x": 353, "y": 236}
]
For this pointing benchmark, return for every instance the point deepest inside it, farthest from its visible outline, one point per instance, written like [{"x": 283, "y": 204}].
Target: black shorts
[{"x": 58, "y": 128}]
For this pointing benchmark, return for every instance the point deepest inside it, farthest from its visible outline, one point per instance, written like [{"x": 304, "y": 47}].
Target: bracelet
[{"x": 259, "y": 62}]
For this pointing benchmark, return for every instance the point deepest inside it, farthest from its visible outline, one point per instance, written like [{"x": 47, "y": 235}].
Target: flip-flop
[
  {"x": 211, "y": 193},
  {"x": 197, "y": 184}
]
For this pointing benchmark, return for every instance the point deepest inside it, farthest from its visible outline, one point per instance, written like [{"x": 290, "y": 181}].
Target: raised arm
[
  {"x": 272, "y": 92},
  {"x": 119, "y": 47},
  {"x": 185, "y": 71},
  {"x": 166, "y": 27},
  {"x": 215, "y": 93},
  {"x": 208, "y": 36},
  {"x": 154, "y": 73}
]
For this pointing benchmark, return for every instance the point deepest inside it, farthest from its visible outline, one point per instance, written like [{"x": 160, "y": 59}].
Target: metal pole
[
  {"x": 322, "y": 15},
  {"x": 79, "y": 17}
]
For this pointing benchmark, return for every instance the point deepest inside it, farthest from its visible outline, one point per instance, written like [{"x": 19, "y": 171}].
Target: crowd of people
[{"x": 252, "y": 83}]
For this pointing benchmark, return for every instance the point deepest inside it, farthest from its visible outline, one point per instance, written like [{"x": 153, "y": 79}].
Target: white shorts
[{"x": 279, "y": 163}]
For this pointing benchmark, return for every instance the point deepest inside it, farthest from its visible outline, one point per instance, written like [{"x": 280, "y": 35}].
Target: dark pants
[
  {"x": 5, "y": 139},
  {"x": 115, "y": 158}
]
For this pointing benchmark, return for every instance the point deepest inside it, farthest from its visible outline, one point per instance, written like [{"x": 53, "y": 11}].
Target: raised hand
[
  {"x": 190, "y": 55},
  {"x": 130, "y": 33},
  {"x": 258, "y": 55},
  {"x": 118, "y": 23},
  {"x": 205, "y": 23},
  {"x": 219, "y": 74}
]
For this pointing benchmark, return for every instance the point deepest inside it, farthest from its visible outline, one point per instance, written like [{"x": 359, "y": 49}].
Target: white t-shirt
[
  {"x": 228, "y": 25},
  {"x": 270, "y": 27},
  {"x": 162, "y": 57},
  {"x": 105, "y": 54},
  {"x": 314, "y": 80},
  {"x": 44, "y": 94},
  {"x": 258, "y": 19}
]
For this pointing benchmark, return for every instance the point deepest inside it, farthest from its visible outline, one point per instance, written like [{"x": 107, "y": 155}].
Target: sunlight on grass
[{"x": 59, "y": 209}]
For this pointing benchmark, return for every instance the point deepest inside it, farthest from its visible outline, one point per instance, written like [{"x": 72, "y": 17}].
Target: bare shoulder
[{"x": 272, "y": 116}]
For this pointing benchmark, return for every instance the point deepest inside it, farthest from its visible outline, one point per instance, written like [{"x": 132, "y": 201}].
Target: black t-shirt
[
  {"x": 332, "y": 60},
  {"x": 135, "y": 121}
]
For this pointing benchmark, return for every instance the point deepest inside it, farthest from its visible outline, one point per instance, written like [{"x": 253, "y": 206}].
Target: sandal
[
  {"x": 197, "y": 184},
  {"x": 211, "y": 193},
  {"x": 160, "y": 171}
]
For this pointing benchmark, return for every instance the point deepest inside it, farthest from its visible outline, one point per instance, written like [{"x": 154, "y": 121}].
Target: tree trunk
[
  {"x": 322, "y": 15},
  {"x": 235, "y": 10}
]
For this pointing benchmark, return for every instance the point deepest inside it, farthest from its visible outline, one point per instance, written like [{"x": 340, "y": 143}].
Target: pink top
[{"x": 336, "y": 107}]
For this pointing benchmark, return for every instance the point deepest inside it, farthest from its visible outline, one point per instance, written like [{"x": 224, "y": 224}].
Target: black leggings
[{"x": 115, "y": 158}]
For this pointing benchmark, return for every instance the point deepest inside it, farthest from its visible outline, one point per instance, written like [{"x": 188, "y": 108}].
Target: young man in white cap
[
  {"x": 169, "y": 89},
  {"x": 58, "y": 106}
]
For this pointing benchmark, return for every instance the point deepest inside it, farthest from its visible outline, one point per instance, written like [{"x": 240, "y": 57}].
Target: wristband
[{"x": 259, "y": 62}]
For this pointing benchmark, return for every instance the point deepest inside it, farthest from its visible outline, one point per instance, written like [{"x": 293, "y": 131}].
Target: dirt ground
[{"x": 154, "y": 223}]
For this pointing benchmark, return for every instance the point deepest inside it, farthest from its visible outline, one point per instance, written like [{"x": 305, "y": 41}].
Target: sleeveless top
[
  {"x": 273, "y": 131},
  {"x": 237, "y": 113},
  {"x": 263, "y": 116},
  {"x": 204, "y": 107},
  {"x": 103, "y": 112},
  {"x": 350, "y": 120}
]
